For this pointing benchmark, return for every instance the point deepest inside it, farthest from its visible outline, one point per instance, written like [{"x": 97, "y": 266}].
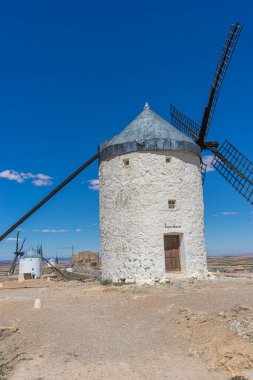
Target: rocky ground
[{"x": 186, "y": 330}]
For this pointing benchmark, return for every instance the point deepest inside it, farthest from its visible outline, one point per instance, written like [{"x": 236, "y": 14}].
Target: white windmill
[{"x": 151, "y": 202}]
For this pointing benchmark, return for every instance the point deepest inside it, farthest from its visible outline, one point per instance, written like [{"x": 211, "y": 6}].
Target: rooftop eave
[{"x": 107, "y": 151}]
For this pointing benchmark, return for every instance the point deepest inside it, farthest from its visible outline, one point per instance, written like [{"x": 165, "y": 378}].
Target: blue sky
[{"x": 74, "y": 73}]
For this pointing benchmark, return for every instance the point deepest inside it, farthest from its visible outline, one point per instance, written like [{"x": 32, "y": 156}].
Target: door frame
[{"x": 180, "y": 249}]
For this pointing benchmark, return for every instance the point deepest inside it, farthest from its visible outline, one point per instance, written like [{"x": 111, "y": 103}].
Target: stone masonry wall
[{"x": 134, "y": 214}]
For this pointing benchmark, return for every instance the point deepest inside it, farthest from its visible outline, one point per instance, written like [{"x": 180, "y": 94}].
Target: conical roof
[
  {"x": 148, "y": 131},
  {"x": 30, "y": 253}
]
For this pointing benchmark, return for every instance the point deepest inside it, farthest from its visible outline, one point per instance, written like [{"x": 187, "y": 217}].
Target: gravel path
[{"x": 84, "y": 331}]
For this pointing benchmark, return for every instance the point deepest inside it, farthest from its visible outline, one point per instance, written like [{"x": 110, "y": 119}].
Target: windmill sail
[
  {"x": 40, "y": 252},
  {"x": 49, "y": 196},
  {"x": 235, "y": 168},
  {"x": 17, "y": 254},
  {"x": 183, "y": 123},
  {"x": 221, "y": 70}
]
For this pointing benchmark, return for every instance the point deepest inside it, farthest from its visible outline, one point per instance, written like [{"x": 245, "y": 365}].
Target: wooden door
[{"x": 171, "y": 251}]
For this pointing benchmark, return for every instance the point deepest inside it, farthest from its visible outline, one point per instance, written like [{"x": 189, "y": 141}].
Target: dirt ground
[{"x": 188, "y": 330}]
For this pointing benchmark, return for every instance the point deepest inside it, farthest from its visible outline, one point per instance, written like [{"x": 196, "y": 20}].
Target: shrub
[{"x": 105, "y": 282}]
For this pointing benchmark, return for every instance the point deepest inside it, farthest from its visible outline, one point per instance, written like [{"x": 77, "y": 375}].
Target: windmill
[
  {"x": 228, "y": 161},
  {"x": 17, "y": 253}
]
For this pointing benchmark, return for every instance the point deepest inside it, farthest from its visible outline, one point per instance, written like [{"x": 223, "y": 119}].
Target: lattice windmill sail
[
  {"x": 221, "y": 70},
  {"x": 17, "y": 253},
  {"x": 228, "y": 161},
  {"x": 235, "y": 168}
]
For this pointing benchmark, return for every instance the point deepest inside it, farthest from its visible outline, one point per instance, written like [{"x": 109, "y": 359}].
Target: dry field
[
  {"x": 230, "y": 263},
  {"x": 185, "y": 330}
]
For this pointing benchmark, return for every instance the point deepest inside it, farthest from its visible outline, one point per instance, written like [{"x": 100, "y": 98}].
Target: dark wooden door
[{"x": 171, "y": 251}]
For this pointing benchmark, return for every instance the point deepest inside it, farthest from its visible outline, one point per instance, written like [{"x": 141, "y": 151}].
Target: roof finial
[{"x": 146, "y": 107}]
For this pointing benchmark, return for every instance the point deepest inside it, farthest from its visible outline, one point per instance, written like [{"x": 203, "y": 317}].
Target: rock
[
  {"x": 37, "y": 304},
  {"x": 211, "y": 276},
  {"x": 165, "y": 280},
  {"x": 129, "y": 281},
  {"x": 6, "y": 333},
  {"x": 10, "y": 328},
  {"x": 222, "y": 314},
  {"x": 184, "y": 309},
  {"x": 21, "y": 277},
  {"x": 143, "y": 281},
  {"x": 203, "y": 319}
]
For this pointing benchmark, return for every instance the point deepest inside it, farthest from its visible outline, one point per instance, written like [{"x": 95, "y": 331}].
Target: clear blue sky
[{"x": 74, "y": 73}]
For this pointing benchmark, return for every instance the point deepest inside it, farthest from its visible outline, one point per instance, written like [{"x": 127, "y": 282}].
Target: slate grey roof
[
  {"x": 30, "y": 253},
  {"x": 148, "y": 131}
]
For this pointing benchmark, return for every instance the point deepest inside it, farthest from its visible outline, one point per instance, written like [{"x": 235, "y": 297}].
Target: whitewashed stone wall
[{"x": 134, "y": 214}]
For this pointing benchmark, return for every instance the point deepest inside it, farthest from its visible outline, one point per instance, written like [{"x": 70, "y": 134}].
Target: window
[
  {"x": 172, "y": 203},
  {"x": 168, "y": 159},
  {"x": 126, "y": 161}
]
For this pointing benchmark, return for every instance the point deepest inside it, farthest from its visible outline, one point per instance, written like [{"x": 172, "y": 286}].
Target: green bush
[{"x": 105, "y": 282}]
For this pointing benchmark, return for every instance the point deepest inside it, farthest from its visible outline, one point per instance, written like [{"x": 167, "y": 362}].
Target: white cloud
[
  {"x": 229, "y": 213},
  {"x": 20, "y": 177},
  {"x": 207, "y": 160},
  {"x": 42, "y": 176},
  {"x": 42, "y": 182},
  {"x": 93, "y": 184},
  {"x": 12, "y": 239},
  {"x": 78, "y": 230},
  {"x": 51, "y": 231},
  {"x": 12, "y": 175},
  {"x": 25, "y": 175}
]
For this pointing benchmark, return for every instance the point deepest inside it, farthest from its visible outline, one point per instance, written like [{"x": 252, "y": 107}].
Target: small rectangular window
[
  {"x": 168, "y": 159},
  {"x": 126, "y": 161},
  {"x": 172, "y": 203}
]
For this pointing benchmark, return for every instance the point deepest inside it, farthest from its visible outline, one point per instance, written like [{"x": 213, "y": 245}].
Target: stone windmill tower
[{"x": 151, "y": 202}]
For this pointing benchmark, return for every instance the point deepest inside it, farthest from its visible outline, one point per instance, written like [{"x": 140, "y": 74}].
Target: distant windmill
[{"x": 17, "y": 253}]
